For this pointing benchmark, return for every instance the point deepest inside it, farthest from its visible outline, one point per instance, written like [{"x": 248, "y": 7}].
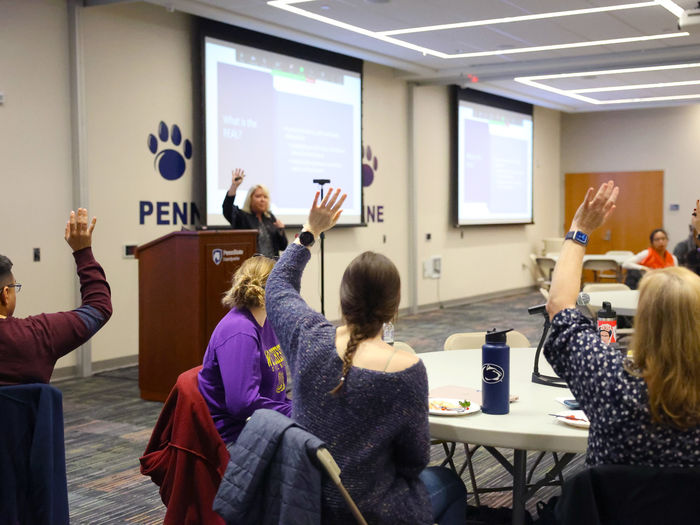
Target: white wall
[
  {"x": 138, "y": 72},
  {"x": 483, "y": 259},
  {"x": 635, "y": 140},
  {"x": 137, "y": 61},
  {"x": 35, "y": 153}
]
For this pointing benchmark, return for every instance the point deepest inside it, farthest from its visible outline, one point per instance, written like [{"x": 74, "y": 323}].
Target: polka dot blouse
[{"x": 615, "y": 401}]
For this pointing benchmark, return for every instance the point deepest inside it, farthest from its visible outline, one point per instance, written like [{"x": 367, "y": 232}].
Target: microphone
[
  {"x": 321, "y": 181},
  {"x": 582, "y": 299}
]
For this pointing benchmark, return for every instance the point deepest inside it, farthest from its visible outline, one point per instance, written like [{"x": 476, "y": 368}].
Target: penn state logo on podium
[{"x": 217, "y": 255}]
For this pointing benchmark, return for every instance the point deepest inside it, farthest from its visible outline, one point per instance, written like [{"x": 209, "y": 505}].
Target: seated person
[
  {"x": 688, "y": 252},
  {"x": 367, "y": 400},
  {"x": 644, "y": 410},
  {"x": 244, "y": 368},
  {"x": 654, "y": 257},
  {"x": 30, "y": 347}
]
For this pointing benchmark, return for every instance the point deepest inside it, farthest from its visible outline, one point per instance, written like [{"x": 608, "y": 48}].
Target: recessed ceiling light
[
  {"x": 535, "y": 81},
  {"x": 386, "y": 36}
]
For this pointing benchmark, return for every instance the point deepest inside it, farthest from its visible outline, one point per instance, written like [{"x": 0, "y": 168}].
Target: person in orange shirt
[{"x": 653, "y": 258}]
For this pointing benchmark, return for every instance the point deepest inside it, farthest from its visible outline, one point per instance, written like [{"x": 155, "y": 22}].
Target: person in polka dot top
[{"x": 644, "y": 410}]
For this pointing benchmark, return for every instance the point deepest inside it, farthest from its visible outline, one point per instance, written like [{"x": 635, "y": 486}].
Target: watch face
[
  {"x": 581, "y": 237},
  {"x": 306, "y": 238}
]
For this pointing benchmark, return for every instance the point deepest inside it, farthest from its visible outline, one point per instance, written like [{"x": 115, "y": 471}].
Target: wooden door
[{"x": 639, "y": 208}]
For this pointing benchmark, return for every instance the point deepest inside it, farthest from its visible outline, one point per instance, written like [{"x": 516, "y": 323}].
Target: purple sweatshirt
[{"x": 243, "y": 370}]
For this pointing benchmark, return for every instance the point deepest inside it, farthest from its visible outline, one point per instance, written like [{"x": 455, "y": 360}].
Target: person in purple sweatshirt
[
  {"x": 244, "y": 368},
  {"x": 367, "y": 400},
  {"x": 30, "y": 347}
]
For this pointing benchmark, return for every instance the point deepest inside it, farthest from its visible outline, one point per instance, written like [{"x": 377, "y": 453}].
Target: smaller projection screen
[
  {"x": 286, "y": 114},
  {"x": 492, "y": 159}
]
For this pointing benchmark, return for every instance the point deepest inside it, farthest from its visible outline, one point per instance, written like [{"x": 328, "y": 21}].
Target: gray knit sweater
[{"x": 376, "y": 427}]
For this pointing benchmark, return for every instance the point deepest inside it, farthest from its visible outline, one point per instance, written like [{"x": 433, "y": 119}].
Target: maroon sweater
[{"x": 29, "y": 348}]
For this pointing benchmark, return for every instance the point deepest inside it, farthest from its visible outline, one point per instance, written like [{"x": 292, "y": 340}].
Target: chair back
[
  {"x": 275, "y": 474},
  {"x": 626, "y": 495},
  {"x": 333, "y": 470},
  {"x": 474, "y": 340},
  {"x": 404, "y": 346},
  {"x": 600, "y": 266},
  {"x": 552, "y": 244},
  {"x": 545, "y": 267},
  {"x": 186, "y": 456},
  {"x": 33, "y": 487}
]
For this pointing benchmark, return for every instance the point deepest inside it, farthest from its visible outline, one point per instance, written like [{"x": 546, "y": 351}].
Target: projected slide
[
  {"x": 494, "y": 165},
  {"x": 285, "y": 121}
]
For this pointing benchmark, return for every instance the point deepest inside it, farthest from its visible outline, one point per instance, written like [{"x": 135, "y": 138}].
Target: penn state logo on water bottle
[
  {"x": 491, "y": 373},
  {"x": 217, "y": 255}
]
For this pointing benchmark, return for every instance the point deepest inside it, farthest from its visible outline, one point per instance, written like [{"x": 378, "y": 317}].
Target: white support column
[
  {"x": 412, "y": 204},
  {"x": 78, "y": 141}
]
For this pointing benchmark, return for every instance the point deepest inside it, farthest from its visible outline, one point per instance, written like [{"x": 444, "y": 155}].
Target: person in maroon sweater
[{"x": 30, "y": 347}]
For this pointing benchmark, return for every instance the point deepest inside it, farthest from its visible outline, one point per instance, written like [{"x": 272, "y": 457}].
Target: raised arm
[
  {"x": 591, "y": 214},
  {"x": 65, "y": 331},
  {"x": 228, "y": 208},
  {"x": 290, "y": 316}
]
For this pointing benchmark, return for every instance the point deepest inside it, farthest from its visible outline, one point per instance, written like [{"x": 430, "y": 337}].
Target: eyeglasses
[{"x": 16, "y": 286}]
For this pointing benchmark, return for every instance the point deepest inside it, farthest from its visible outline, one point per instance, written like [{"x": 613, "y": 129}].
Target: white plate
[
  {"x": 451, "y": 407},
  {"x": 574, "y": 422}
]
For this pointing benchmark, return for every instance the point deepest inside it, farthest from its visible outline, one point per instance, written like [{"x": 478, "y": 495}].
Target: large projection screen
[
  {"x": 492, "y": 180},
  {"x": 285, "y": 119}
]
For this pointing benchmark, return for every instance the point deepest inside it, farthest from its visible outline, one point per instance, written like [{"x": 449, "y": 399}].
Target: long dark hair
[{"x": 370, "y": 293}]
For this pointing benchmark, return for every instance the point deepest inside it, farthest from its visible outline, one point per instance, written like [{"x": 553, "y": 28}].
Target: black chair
[
  {"x": 630, "y": 495},
  {"x": 33, "y": 486}
]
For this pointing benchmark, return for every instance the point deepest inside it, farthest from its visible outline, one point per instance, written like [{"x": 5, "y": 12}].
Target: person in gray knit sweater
[{"x": 365, "y": 399}]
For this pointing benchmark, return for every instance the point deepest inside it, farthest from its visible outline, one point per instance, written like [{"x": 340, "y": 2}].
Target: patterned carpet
[{"x": 107, "y": 425}]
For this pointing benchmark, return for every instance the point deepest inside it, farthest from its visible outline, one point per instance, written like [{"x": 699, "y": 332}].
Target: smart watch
[
  {"x": 577, "y": 236},
  {"x": 306, "y": 238}
]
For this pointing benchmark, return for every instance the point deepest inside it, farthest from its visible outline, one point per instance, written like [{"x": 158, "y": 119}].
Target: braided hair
[{"x": 370, "y": 292}]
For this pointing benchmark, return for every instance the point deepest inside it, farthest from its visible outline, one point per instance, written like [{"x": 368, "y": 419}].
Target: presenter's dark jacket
[{"x": 241, "y": 220}]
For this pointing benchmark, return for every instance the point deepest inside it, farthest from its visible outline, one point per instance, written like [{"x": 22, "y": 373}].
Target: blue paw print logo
[
  {"x": 369, "y": 167},
  {"x": 170, "y": 162}
]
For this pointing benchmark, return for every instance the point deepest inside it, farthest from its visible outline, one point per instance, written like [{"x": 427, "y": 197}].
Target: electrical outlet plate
[
  {"x": 129, "y": 250},
  {"x": 432, "y": 267}
]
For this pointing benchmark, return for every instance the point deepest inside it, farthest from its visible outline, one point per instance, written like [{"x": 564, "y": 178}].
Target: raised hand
[
  {"x": 78, "y": 233},
  {"x": 695, "y": 219},
  {"x": 595, "y": 209},
  {"x": 237, "y": 177},
  {"x": 322, "y": 217}
]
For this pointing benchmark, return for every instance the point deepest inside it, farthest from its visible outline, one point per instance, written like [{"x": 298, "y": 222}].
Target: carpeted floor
[{"x": 107, "y": 425}]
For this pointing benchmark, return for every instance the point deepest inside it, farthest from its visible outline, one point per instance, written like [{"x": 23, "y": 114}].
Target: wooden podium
[{"x": 182, "y": 277}]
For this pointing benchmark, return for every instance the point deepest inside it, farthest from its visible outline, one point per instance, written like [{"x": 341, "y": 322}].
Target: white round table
[
  {"x": 624, "y": 302},
  {"x": 528, "y": 425}
]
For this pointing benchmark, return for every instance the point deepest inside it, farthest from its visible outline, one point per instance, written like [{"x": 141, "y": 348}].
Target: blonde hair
[
  {"x": 248, "y": 283},
  {"x": 666, "y": 345},
  {"x": 249, "y": 197}
]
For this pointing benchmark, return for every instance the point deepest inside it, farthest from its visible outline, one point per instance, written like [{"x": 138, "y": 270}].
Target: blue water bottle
[{"x": 495, "y": 373}]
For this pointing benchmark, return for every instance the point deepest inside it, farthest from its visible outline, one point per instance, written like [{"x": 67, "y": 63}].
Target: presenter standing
[{"x": 255, "y": 215}]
